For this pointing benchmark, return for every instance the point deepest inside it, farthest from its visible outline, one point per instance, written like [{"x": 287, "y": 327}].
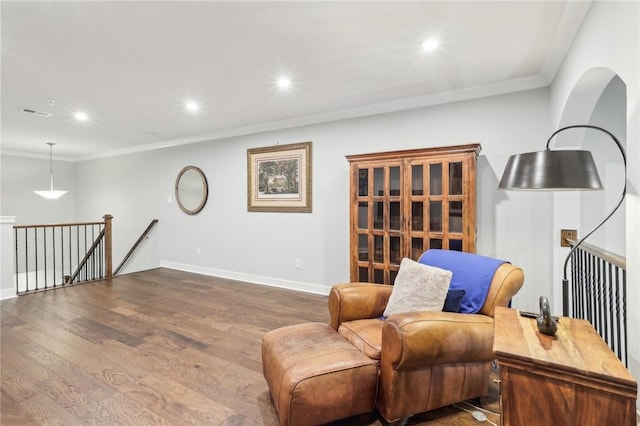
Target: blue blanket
[{"x": 471, "y": 272}]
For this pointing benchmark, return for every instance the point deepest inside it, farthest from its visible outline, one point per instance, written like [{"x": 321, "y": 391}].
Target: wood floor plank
[
  {"x": 160, "y": 347},
  {"x": 46, "y": 411},
  {"x": 13, "y": 413},
  {"x": 128, "y": 411}
]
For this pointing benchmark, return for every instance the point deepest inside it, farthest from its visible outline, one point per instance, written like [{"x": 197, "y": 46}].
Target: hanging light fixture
[{"x": 51, "y": 194}]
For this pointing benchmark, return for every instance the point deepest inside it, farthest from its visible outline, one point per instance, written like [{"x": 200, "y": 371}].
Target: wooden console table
[{"x": 570, "y": 379}]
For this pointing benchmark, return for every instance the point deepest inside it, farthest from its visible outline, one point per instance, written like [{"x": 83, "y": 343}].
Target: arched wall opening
[{"x": 598, "y": 98}]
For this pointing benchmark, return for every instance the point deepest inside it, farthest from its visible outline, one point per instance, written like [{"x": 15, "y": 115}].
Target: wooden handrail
[
  {"x": 135, "y": 246},
  {"x": 613, "y": 258},
  {"x": 86, "y": 257},
  {"x": 53, "y": 225}
]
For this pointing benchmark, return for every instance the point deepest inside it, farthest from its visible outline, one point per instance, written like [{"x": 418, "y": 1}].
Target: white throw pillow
[{"x": 418, "y": 287}]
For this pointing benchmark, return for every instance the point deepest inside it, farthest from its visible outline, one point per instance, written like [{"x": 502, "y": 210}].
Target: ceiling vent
[{"x": 36, "y": 112}]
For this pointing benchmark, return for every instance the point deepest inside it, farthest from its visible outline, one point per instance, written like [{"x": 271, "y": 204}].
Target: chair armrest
[
  {"x": 354, "y": 301},
  {"x": 418, "y": 339}
]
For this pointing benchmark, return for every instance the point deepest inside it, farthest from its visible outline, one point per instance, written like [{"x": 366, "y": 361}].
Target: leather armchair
[{"x": 426, "y": 359}]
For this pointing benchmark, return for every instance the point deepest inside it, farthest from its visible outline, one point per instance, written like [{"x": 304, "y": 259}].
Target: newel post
[{"x": 108, "y": 260}]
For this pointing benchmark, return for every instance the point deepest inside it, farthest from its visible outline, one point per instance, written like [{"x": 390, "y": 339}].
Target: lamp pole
[{"x": 565, "y": 281}]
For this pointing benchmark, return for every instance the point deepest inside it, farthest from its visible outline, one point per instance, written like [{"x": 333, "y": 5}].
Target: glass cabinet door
[
  {"x": 379, "y": 222},
  {"x": 437, "y": 199}
]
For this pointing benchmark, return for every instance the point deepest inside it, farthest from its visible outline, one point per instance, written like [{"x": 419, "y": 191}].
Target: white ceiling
[{"x": 131, "y": 65}]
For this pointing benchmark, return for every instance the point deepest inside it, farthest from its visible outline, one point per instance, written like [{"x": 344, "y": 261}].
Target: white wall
[
  {"x": 262, "y": 247},
  {"x": 609, "y": 39},
  {"x": 609, "y": 113},
  {"x": 7, "y": 258},
  {"x": 21, "y": 176}
]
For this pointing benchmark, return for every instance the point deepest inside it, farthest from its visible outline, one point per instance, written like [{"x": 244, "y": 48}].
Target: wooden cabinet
[
  {"x": 570, "y": 379},
  {"x": 405, "y": 202}
]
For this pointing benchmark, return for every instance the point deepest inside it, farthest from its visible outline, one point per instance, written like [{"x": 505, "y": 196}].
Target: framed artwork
[{"x": 279, "y": 178}]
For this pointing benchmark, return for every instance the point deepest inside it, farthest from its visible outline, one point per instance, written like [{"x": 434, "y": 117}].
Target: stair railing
[
  {"x": 61, "y": 255},
  {"x": 55, "y": 255},
  {"x": 598, "y": 294},
  {"x": 135, "y": 246}
]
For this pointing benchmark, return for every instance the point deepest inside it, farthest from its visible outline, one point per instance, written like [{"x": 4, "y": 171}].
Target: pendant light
[{"x": 51, "y": 194}]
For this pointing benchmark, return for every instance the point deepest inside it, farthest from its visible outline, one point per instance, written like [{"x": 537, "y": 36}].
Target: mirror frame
[{"x": 205, "y": 190}]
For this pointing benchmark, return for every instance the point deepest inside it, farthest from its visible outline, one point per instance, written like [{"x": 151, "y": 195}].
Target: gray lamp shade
[{"x": 551, "y": 170}]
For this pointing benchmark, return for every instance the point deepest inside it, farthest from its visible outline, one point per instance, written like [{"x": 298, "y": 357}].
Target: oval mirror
[{"x": 191, "y": 189}]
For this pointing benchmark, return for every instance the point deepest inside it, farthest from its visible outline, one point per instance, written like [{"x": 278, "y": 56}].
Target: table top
[{"x": 576, "y": 348}]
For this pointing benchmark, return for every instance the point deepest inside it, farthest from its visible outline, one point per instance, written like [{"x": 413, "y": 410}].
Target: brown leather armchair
[{"x": 426, "y": 359}]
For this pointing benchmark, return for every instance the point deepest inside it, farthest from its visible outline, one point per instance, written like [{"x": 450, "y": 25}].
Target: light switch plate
[{"x": 567, "y": 234}]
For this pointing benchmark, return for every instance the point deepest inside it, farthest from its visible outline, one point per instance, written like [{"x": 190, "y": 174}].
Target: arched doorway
[
  {"x": 598, "y": 281},
  {"x": 598, "y": 98}
]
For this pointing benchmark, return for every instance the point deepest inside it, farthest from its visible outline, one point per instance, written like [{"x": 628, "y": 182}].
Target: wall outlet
[
  {"x": 298, "y": 263},
  {"x": 198, "y": 252}
]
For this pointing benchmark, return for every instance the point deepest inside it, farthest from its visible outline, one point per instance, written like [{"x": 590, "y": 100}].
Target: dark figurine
[{"x": 546, "y": 323}]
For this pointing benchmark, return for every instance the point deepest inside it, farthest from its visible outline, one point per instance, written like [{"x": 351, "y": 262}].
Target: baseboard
[
  {"x": 7, "y": 293},
  {"x": 254, "y": 279}
]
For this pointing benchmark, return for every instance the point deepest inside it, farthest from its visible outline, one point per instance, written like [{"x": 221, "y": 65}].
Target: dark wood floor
[{"x": 156, "y": 347}]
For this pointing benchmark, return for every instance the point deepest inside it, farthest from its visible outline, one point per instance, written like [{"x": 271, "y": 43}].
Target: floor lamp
[{"x": 560, "y": 170}]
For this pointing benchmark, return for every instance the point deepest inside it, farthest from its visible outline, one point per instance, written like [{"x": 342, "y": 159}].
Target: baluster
[
  {"x": 99, "y": 255},
  {"x": 101, "y": 258},
  {"x": 624, "y": 315},
  {"x": 607, "y": 303},
  {"x": 78, "y": 252},
  {"x": 17, "y": 260},
  {"x": 617, "y": 314},
  {"x": 70, "y": 255},
  {"x": 583, "y": 310},
  {"x": 581, "y": 306},
  {"x": 594, "y": 290},
  {"x": 94, "y": 259},
  {"x": 35, "y": 252},
  {"x": 44, "y": 269},
  {"x": 596, "y": 297},
  {"x": 574, "y": 285},
  {"x": 578, "y": 286},
  {"x": 590, "y": 274},
  {"x": 58, "y": 262},
  {"x": 595, "y": 302},
  {"x": 89, "y": 267},
  {"x": 26, "y": 258}
]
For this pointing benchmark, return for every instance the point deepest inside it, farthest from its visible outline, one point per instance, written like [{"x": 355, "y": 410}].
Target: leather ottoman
[{"x": 315, "y": 376}]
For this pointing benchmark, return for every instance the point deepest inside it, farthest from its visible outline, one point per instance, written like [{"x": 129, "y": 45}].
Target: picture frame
[{"x": 279, "y": 178}]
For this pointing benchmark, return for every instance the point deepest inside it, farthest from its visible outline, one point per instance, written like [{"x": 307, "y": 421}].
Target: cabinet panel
[{"x": 405, "y": 202}]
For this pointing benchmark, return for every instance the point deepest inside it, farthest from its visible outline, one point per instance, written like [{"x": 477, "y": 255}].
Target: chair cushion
[
  {"x": 418, "y": 287},
  {"x": 365, "y": 335}
]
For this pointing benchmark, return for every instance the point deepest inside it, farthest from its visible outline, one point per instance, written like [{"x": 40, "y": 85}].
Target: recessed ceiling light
[
  {"x": 192, "y": 106},
  {"x": 81, "y": 116},
  {"x": 284, "y": 83},
  {"x": 430, "y": 44}
]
